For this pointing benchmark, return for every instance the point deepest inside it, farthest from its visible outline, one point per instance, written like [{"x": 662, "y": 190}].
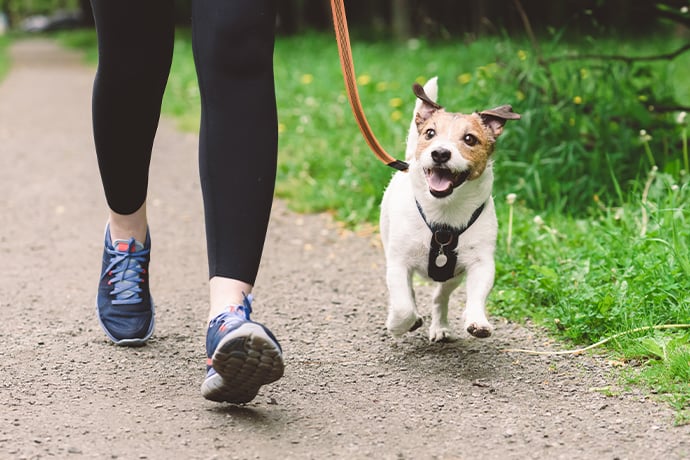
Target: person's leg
[
  {"x": 135, "y": 41},
  {"x": 233, "y": 50}
]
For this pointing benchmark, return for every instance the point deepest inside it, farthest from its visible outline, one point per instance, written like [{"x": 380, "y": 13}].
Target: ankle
[
  {"x": 225, "y": 293},
  {"x": 126, "y": 226}
]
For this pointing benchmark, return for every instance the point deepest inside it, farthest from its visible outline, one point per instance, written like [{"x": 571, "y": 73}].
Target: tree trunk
[
  {"x": 401, "y": 17},
  {"x": 7, "y": 11}
]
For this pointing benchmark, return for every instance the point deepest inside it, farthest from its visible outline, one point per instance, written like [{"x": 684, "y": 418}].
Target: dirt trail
[{"x": 350, "y": 391}]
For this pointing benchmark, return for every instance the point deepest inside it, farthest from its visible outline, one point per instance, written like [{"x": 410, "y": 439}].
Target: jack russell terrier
[{"x": 438, "y": 219}]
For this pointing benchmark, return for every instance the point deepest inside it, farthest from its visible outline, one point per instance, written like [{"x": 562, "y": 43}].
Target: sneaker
[
  {"x": 124, "y": 304},
  {"x": 242, "y": 356}
]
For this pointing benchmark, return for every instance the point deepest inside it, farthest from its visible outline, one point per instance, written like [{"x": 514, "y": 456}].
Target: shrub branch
[{"x": 613, "y": 57}]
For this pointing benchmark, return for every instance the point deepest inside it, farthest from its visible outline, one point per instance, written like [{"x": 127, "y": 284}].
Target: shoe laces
[
  {"x": 234, "y": 313},
  {"x": 125, "y": 270}
]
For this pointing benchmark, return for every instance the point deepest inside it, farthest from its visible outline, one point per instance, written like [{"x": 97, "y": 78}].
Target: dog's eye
[
  {"x": 429, "y": 133},
  {"x": 470, "y": 139}
]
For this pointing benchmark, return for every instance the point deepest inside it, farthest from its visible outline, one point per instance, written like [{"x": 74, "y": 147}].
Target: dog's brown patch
[
  {"x": 473, "y": 139},
  {"x": 474, "y": 135}
]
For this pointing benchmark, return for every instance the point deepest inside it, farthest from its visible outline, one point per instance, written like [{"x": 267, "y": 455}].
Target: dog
[{"x": 438, "y": 218}]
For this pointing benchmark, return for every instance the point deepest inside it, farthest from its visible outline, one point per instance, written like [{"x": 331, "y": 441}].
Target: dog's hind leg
[
  {"x": 402, "y": 308},
  {"x": 440, "y": 330}
]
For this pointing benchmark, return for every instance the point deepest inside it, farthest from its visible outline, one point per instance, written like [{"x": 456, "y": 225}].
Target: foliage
[
  {"x": 25, "y": 7},
  {"x": 625, "y": 268},
  {"x": 667, "y": 370},
  {"x": 82, "y": 39},
  {"x": 443, "y": 19},
  {"x": 575, "y": 133},
  {"x": 4, "y": 57},
  {"x": 600, "y": 276},
  {"x": 586, "y": 124}
]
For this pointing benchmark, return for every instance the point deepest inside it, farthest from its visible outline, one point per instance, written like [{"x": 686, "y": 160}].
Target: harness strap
[
  {"x": 346, "y": 63},
  {"x": 444, "y": 241}
]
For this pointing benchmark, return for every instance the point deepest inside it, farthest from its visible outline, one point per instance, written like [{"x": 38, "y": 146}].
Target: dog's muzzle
[{"x": 442, "y": 181}]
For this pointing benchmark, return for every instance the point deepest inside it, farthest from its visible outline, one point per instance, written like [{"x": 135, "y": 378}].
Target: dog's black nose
[{"x": 440, "y": 155}]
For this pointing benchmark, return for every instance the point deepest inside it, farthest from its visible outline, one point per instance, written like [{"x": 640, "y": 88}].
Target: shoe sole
[
  {"x": 244, "y": 360},
  {"x": 134, "y": 342}
]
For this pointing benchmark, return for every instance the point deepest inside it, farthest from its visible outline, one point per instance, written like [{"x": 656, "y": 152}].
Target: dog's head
[{"x": 452, "y": 147}]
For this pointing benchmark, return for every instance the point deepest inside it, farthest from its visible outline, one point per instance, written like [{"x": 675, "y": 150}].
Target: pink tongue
[{"x": 439, "y": 181}]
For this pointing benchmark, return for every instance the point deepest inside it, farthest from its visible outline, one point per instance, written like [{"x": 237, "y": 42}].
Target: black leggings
[{"x": 233, "y": 51}]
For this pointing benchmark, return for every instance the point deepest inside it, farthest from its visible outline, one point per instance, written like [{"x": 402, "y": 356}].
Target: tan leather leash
[{"x": 343, "y": 38}]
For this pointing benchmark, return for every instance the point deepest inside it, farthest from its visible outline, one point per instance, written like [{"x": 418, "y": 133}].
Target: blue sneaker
[
  {"x": 124, "y": 304},
  {"x": 242, "y": 356}
]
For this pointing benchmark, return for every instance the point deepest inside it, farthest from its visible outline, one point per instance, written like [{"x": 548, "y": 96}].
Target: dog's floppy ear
[
  {"x": 428, "y": 106},
  {"x": 495, "y": 118}
]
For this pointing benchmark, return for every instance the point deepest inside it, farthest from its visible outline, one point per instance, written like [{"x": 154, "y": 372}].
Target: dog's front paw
[
  {"x": 481, "y": 331},
  {"x": 398, "y": 326},
  {"x": 441, "y": 334}
]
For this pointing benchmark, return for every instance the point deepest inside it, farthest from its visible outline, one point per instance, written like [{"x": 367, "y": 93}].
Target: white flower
[
  {"x": 511, "y": 198},
  {"x": 538, "y": 221},
  {"x": 644, "y": 137},
  {"x": 680, "y": 119},
  {"x": 413, "y": 44},
  {"x": 684, "y": 10}
]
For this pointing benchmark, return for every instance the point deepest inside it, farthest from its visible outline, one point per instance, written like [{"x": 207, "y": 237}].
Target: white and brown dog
[{"x": 438, "y": 219}]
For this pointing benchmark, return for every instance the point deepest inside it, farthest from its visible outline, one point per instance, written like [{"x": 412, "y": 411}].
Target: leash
[{"x": 344, "y": 51}]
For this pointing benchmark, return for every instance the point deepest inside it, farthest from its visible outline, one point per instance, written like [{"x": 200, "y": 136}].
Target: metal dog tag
[{"x": 441, "y": 260}]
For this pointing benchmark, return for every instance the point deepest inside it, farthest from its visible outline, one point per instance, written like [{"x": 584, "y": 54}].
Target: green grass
[
  {"x": 598, "y": 245},
  {"x": 82, "y": 39},
  {"x": 4, "y": 56},
  {"x": 589, "y": 279}
]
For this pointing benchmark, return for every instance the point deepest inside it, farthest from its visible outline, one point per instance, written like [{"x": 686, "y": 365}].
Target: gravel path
[{"x": 350, "y": 391}]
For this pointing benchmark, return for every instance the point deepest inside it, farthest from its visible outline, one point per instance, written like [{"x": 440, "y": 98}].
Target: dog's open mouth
[{"x": 442, "y": 181}]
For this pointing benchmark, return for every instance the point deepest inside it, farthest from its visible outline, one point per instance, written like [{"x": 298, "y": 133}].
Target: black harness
[{"x": 444, "y": 241}]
